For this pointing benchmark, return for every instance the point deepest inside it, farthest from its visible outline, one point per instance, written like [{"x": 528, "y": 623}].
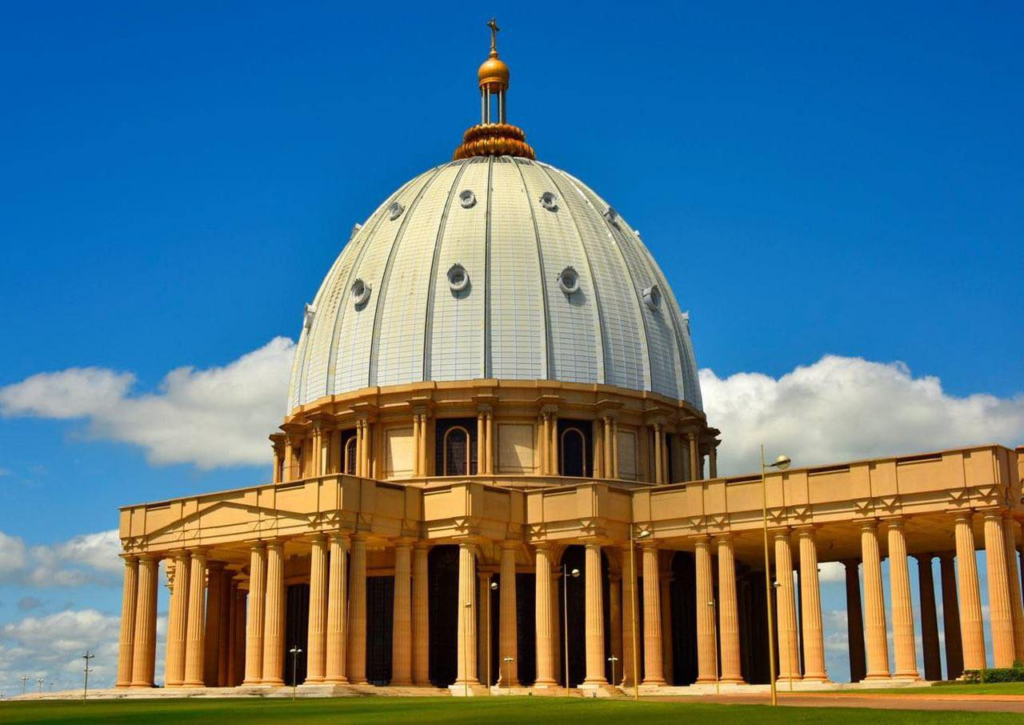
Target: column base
[
  {"x": 544, "y": 684},
  {"x": 400, "y": 683},
  {"x": 467, "y": 689},
  {"x": 876, "y": 677},
  {"x": 817, "y": 679},
  {"x": 659, "y": 682},
  {"x": 275, "y": 682},
  {"x": 336, "y": 681},
  {"x": 732, "y": 681}
]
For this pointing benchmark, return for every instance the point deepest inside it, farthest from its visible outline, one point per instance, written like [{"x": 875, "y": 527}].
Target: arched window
[
  {"x": 350, "y": 456},
  {"x": 574, "y": 456},
  {"x": 456, "y": 451}
]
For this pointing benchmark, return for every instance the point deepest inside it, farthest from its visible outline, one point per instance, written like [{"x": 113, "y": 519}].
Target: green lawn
[
  {"x": 445, "y": 711},
  {"x": 994, "y": 688}
]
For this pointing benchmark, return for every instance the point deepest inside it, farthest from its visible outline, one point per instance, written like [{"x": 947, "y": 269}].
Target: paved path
[{"x": 968, "y": 703}]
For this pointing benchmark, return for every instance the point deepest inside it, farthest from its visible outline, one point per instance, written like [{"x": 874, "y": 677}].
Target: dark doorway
[
  {"x": 573, "y": 602},
  {"x": 380, "y": 597},
  {"x": 526, "y": 623},
  {"x": 684, "y": 618},
  {"x": 296, "y": 633},
  {"x": 443, "y": 585}
]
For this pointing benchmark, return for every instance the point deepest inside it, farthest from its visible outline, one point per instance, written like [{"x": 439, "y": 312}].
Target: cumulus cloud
[
  {"x": 87, "y": 559},
  {"x": 219, "y": 416},
  {"x": 844, "y": 408},
  {"x": 831, "y": 572}
]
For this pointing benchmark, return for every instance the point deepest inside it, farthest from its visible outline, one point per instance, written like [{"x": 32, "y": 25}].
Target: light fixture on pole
[
  {"x": 295, "y": 652},
  {"x": 613, "y": 659},
  {"x": 575, "y": 573},
  {"x": 508, "y": 659},
  {"x": 24, "y": 679},
  {"x": 39, "y": 683},
  {"x": 781, "y": 464},
  {"x": 87, "y": 657},
  {"x": 633, "y": 538},
  {"x": 493, "y": 586}
]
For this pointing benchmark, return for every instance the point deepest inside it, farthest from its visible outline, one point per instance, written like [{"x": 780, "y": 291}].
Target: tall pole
[
  {"x": 24, "y": 680},
  {"x": 465, "y": 648},
  {"x": 632, "y": 609},
  {"x": 295, "y": 652},
  {"x": 768, "y": 581},
  {"x": 85, "y": 691},
  {"x": 565, "y": 622}
]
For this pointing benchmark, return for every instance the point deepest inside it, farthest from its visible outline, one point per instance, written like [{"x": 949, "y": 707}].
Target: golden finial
[{"x": 490, "y": 138}]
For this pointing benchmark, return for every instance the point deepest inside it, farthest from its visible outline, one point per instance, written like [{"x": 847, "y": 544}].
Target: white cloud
[
  {"x": 832, "y": 571},
  {"x": 219, "y": 416},
  {"x": 87, "y": 559},
  {"x": 843, "y": 408}
]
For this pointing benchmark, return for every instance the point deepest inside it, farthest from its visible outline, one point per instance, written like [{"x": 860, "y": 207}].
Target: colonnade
[{"x": 219, "y": 636}]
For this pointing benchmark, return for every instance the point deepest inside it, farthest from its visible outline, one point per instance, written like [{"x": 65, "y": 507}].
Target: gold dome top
[{"x": 493, "y": 74}]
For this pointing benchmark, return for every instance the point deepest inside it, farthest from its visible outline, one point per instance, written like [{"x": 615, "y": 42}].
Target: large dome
[{"x": 494, "y": 268}]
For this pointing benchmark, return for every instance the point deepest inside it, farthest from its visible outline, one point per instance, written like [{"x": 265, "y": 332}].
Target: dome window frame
[
  {"x": 569, "y": 281},
  {"x": 549, "y": 200},
  {"x": 360, "y": 292},
  {"x": 467, "y": 199},
  {"x": 458, "y": 278},
  {"x": 395, "y": 210},
  {"x": 652, "y": 297}
]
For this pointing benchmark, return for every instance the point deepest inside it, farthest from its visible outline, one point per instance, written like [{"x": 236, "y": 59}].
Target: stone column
[
  {"x": 999, "y": 609},
  {"x": 401, "y": 638},
  {"x": 144, "y": 647},
  {"x": 615, "y": 448},
  {"x": 483, "y": 634},
  {"x": 615, "y": 626},
  {"x": 226, "y": 607},
  {"x": 481, "y": 443},
  {"x": 630, "y": 618},
  {"x": 854, "y": 622},
  {"x": 290, "y": 474},
  {"x": 903, "y": 639},
  {"x": 238, "y": 664},
  {"x": 728, "y": 612},
  {"x": 508, "y": 634},
  {"x": 874, "y": 609},
  {"x": 337, "y": 621},
  {"x": 211, "y": 636},
  {"x": 1013, "y": 575},
  {"x": 789, "y": 647},
  {"x": 316, "y": 639},
  {"x": 553, "y": 446},
  {"x": 195, "y": 638},
  {"x": 696, "y": 467},
  {"x": 810, "y": 603},
  {"x": 254, "y": 614},
  {"x": 545, "y": 619},
  {"x": 420, "y": 614},
  {"x": 707, "y": 648},
  {"x": 177, "y": 623},
  {"x": 665, "y": 592},
  {"x": 489, "y": 452},
  {"x": 417, "y": 438},
  {"x": 129, "y": 595},
  {"x": 543, "y": 436},
  {"x": 713, "y": 462},
  {"x": 972, "y": 630},
  {"x": 556, "y": 617},
  {"x": 594, "y": 620},
  {"x": 357, "y": 612},
  {"x": 273, "y": 627},
  {"x": 466, "y": 635},
  {"x": 951, "y": 618},
  {"x": 230, "y": 676},
  {"x": 654, "y": 674},
  {"x": 929, "y": 618}
]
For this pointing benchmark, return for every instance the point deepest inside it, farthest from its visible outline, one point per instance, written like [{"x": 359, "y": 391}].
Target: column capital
[
  {"x": 423, "y": 544},
  {"x": 150, "y": 558},
  {"x": 318, "y": 538},
  {"x": 129, "y": 558},
  {"x": 275, "y": 544},
  {"x": 723, "y": 538},
  {"x": 781, "y": 532},
  {"x": 215, "y": 564},
  {"x": 967, "y": 515},
  {"x": 358, "y": 536},
  {"x": 804, "y": 530},
  {"x": 869, "y": 525},
  {"x": 340, "y": 538},
  {"x": 510, "y": 544},
  {"x": 257, "y": 546},
  {"x": 894, "y": 522},
  {"x": 404, "y": 542}
]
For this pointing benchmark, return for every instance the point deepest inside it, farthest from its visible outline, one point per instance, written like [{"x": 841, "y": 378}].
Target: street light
[
  {"x": 508, "y": 659},
  {"x": 613, "y": 659},
  {"x": 781, "y": 464},
  {"x": 85, "y": 690},
  {"x": 487, "y": 615},
  {"x": 633, "y": 538},
  {"x": 40, "y": 682},
  {"x": 575, "y": 574},
  {"x": 714, "y": 639},
  {"x": 24, "y": 679},
  {"x": 295, "y": 652}
]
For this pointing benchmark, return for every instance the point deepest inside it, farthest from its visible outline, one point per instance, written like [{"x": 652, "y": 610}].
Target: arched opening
[
  {"x": 455, "y": 452},
  {"x": 350, "y": 456},
  {"x": 443, "y": 586},
  {"x": 572, "y": 606},
  {"x": 574, "y": 449}
]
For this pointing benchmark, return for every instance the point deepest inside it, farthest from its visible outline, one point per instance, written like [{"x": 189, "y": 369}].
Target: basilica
[{"x": 495, "y": 474}]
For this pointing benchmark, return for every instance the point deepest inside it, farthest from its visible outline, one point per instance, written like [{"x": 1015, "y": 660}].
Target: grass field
[
  {"x": 995, "y": 688},
  {"x": 384, "y": 711}
]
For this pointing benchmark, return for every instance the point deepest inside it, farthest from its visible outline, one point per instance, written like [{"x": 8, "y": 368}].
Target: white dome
[{"x": 494, "y": 268}]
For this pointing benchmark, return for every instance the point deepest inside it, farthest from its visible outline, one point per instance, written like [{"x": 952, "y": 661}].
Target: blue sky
[{"x": 176, "y": 180}]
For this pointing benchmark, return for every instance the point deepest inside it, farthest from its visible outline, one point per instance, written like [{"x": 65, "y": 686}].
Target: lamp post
[
  {"x": 39, "y": 683},
  {"x": 491, "y": 586},
  {"x": 575, "y": 574},
  {"x": 714, "y": 639},
  {"x": 295, "y": 652},
  {"x": 24, "y": 679},
  {"x": 633, "y": 538},
  {"x": 465, "y": 648},
  {"x": 781, "y": 464},
  {"x": 508, "y": 659},
  {"x": 85, "y": 690},
  {"x": 613, "y": 659}
]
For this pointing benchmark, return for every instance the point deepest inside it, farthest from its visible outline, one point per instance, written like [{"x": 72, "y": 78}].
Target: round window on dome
[
  {"x": 395, "y": 210},
  {"x": 569, "y": 281},
  {"x": 549, "y": 201},
  {"x": 360, "y": 293},
  {"x": 652, "y": 297},
  {"x": 468, "y": 199},
  {"x": 458, "y": 278}
]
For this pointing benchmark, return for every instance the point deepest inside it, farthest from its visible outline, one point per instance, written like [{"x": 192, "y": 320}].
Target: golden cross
[{"x": 493, "y": 25}]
